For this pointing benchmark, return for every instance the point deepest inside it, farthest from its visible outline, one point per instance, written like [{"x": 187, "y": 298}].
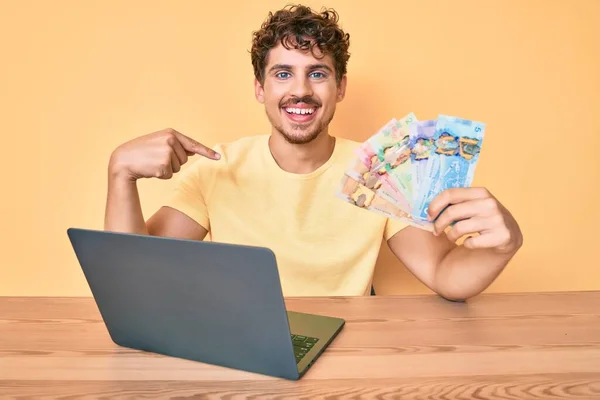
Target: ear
[
  {"x": 341, "y": 89},
  {"x": 259, "y": 92}
]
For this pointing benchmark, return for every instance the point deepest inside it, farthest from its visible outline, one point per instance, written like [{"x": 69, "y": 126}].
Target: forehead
[{"x": 297, "y": 58}]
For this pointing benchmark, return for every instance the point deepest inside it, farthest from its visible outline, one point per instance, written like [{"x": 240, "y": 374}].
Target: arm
[
  {"x": 124, "y": 214},
  {"x": 157, "y": 155},
  {"x": 458, "y": 272},
  {"x": 123, "y": 210}
]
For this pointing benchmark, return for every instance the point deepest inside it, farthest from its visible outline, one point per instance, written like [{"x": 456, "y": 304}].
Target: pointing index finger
[{"x": 195, "y": 147}]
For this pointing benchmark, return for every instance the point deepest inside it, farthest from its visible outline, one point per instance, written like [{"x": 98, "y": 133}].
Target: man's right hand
[{"x": 156, "y": 155}]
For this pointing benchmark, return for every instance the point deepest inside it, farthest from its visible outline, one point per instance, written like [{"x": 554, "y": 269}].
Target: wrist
[{"x": 117, "y": 172}]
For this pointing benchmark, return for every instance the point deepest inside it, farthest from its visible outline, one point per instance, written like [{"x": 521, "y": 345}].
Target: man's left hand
[{"x": 475, "y": 211}]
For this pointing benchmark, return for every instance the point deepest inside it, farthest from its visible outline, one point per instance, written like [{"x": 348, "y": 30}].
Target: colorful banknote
[
  {"x": 387, "y": 152},
  {"x": 354, "y": 192},
  {"x": 367, "y": 151},
  {"x": 357, "y": 194},
  {"x": 371, "y": 179},
  {"x": 389, "y": 135},
  {"x": 400, "y": 169},
  {"x": 421, "y": 144},
  {"x": 455, "y": 152},
  {"x": 396, "y": 163}
]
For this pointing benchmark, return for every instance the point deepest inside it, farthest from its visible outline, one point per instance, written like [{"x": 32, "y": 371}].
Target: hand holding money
[
  {"x": 404, "y": 166},
  {"x": 475, "y": 211},
  {"x": 156, "y": 155}
]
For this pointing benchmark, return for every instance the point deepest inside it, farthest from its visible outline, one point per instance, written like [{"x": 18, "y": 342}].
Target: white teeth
[{"x": 300, "y": 111}]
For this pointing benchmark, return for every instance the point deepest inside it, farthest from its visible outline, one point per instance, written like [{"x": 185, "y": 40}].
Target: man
[{"x": 278, "y": 190}]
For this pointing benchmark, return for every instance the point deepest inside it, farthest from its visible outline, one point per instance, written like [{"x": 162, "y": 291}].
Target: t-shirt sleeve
[
  {"x": 393, "y": 226},
  {"x": 192, "y": 190}
]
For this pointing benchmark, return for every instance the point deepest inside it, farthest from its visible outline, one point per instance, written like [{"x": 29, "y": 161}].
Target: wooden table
[{"x": 511, "y": 346}]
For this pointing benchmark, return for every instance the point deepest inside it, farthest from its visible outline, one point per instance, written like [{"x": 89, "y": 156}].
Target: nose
[{"x": 301, "y": 87}]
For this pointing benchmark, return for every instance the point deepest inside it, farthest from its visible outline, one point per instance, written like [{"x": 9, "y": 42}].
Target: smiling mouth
[{"x": 301, "y": 112}]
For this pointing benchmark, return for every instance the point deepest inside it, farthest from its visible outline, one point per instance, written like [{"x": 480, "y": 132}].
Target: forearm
[
  {"x": 464, "y": 273},
  {"x": 123, "y": 208}
]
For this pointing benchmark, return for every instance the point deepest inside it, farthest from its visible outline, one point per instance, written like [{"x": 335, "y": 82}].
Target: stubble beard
[{"x": 309, "y": 132}]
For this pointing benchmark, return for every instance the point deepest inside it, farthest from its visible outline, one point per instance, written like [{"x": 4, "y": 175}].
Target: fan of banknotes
[{"x": 401, "y": 168}]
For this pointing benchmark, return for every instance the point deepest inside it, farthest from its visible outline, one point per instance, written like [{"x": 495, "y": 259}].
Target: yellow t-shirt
[{"x": 323, "y": 245}]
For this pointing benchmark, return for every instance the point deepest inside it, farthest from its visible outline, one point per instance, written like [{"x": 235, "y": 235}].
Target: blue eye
[
  {"x": 279, "y": 75},
  {"x": 318, "y": 75}
]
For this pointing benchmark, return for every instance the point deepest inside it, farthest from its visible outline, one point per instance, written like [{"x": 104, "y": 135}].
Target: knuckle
[
  {"x": 491, "y": 204},
  {"x": 484, "y": 192},
  {"x": 170, "y": 139}
]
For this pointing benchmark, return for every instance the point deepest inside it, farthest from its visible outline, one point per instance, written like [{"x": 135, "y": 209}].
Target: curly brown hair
[{"x": 298, "y": 27}]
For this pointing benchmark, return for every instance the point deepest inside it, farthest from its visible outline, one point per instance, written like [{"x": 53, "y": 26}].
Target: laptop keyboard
[{"x": 302, "y": 344}]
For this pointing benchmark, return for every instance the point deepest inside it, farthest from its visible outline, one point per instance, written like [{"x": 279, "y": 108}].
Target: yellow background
[{"x": 78, "y": 78}]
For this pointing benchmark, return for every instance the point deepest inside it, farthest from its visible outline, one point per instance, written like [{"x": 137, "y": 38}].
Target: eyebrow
[{"x": 310, "y": 67}]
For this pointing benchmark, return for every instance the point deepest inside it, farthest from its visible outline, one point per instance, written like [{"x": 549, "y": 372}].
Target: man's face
[{"x": 299, "y": 93}]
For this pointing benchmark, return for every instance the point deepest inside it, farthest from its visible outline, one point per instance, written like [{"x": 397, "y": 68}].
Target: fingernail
[{"x": 217, "y": 156}]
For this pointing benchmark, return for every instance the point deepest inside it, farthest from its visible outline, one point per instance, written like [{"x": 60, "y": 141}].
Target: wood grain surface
[{"x": 495, "y": 346}]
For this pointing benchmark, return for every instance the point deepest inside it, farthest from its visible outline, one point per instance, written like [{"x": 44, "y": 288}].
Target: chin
[
  {"x": 298, "y": 133},
  {"x": 300, "y": 137}
]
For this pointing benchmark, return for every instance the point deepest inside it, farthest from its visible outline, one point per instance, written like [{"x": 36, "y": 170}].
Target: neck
[{"x": 301, "y": 158}]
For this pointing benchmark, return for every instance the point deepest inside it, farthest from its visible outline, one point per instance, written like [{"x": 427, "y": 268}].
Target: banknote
[
  {"x": 390, "y": 136},
  {"x": 390, "y": 146},
  {"x": 354, "y": 192},
  {"x": 357, "y": 194},
  {"x": 455, "y": 152},
  {"x": 396, "y": 163},
  {"x": 421, "y": 143},
  {"x": 400, "y": 169},
  {"x": 367, "y": 151},
  {"x": 371, "y": 179}
]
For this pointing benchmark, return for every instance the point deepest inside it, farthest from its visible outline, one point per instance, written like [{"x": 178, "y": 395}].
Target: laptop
[{"x": 216, "y": 303}]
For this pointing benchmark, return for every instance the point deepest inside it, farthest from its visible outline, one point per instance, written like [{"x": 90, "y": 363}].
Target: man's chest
[{"x": 302, "y": 215}]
